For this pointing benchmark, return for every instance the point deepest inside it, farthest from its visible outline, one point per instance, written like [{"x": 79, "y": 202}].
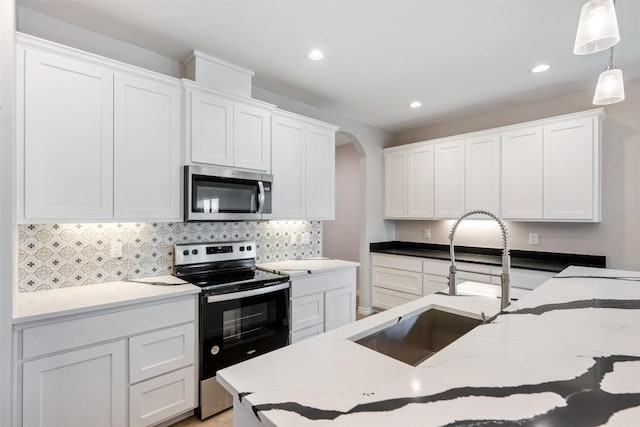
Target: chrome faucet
[{"x": 505, "y": 277}]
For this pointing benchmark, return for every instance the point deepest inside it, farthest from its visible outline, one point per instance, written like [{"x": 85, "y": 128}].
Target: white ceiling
[{"x": 456, "y": 56}]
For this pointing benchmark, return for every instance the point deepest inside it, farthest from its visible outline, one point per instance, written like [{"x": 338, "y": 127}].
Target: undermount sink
[{"x": 414, "y": 339}]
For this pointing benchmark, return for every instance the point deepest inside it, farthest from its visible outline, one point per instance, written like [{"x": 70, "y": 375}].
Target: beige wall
[
  {"x": 617, "y": 237},
  {"x": 341, "y": 237}
]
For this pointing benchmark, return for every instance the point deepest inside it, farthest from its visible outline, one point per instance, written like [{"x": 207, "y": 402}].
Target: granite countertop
[
  {"x": 530, "y": 260},
  {"x": 567, "y": 353},
  {"x": 41, "y": 305},
  {"x": 297, "y": 267}
]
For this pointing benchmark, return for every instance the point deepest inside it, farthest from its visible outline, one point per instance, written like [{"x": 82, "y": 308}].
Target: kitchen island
[{"x": 567, "y": 353}]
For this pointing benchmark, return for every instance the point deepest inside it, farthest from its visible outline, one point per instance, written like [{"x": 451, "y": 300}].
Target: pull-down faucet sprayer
[{"x": 505, "y": 277}]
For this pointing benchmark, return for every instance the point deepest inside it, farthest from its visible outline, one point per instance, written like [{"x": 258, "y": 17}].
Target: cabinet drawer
[
  {"x": 387, "y": 298},
  {"x": 162, "y": 397},
  {"x": 307, "y": 311},
  {"x": 397, "y": 261},
  {"x": 306, "y": 333},
  {"x": 322, "y": 282},
  {"x": 160, "y": 352},
  {"x": 481, "y": 278},
  {"x": 398, "y": 280},
  {"x": 436, "y": 267},
  {"x": 52, "y": 337},
  {"x": 525, "y": 279},
  {"x": 432, "y": 284}
]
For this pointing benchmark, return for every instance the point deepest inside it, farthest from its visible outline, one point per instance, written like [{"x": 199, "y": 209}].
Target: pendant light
[
  {"x": 597, "y": 27},
  {"x": 610, "y": 88}
]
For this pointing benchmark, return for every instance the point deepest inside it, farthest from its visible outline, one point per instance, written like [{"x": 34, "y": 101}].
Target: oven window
[
  {"x": 223, "y": 196},
  {"x": 247, "y": 322}
]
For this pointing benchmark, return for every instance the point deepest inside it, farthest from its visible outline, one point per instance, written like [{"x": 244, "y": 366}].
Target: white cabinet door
[
  {"x": 288, "y": 167},
  {"x": 211, "y": 129},
  {"x": 307, "y": 311},
  {"x": 395, "y": 184},
  {"x": 339, "y": 307},
  {"x": 251, "y": 137},
  {"x": 569, "y": 166},
  {"x": 522, "y": 173},
  {"x": 482, "y": 173},
  {"x": 320, "y": 152},
  {"x": 68, "y": 138},
  {"x": 449, "y": 179},
  {"x": 147, "y": 147},
  {"x": 420, "y": 182},
  {"x": 80, "y": 388}
]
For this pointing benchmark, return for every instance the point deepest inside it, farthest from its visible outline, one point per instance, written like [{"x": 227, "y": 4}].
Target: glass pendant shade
[
  {"x": 597, "y": 28},
  {"x": 610, "y": 88}
]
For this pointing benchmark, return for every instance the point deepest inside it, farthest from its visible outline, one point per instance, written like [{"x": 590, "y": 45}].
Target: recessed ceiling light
[
  {"x": 315, "y": 55},
  {"x": 415, "y": 104},
  {"x": 541, "y": 68}
]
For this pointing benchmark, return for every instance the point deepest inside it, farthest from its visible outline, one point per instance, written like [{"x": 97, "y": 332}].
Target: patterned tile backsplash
[{"x": 61, "y": 255}]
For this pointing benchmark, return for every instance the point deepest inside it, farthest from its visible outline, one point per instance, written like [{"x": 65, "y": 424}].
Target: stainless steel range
[{"x": 244, "y": 312}]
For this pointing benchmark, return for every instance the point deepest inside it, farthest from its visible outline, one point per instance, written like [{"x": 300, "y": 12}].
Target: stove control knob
[
  {"x": 185, "y": 252},
  {"x": 194, "y": 252},
  {"x": 248, "y": 248},
  {"x": 215, "y": 350}
]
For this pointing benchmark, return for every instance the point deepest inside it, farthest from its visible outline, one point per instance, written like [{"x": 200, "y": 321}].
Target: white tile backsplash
[{"x": 61, "y": 255}]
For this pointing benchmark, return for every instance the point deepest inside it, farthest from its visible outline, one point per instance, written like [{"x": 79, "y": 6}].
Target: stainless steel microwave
[{"x": 223, "y": 194}]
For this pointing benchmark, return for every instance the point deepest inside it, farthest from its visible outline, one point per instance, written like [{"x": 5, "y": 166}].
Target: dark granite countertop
[{"x": 530, "y": 260}]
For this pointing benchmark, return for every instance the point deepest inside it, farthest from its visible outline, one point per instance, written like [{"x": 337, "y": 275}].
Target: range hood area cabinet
[
  {"x": 547, "y": 170},
  {"x": 303, "y": 167},
  {"x": 227, "y": 130},
  {"x": 97, "y": 139}
]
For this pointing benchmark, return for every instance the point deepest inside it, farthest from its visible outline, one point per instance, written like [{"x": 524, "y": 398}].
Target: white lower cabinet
[
  {"x": 395, "y": 279},
  {"x": 78, "y": 388},
  {"x": 81, "y": 370},
  {"x": 321, "y": 302}
]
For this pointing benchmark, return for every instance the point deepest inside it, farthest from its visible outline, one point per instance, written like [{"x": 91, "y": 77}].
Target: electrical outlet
[
  {"x": 306, "y": 237},
  {"x": 427, "y": 233},
  {"x": 533, "y": 238},
  {"x": 116, "y": 249}
]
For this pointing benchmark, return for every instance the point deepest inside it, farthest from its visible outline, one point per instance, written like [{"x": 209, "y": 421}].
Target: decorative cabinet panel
[
  {"x": 522, "y": 174},
  {"x": 146, "y": 148},
  {"x": 449, "y": 179},
  {"x": 226, "y": 130},
  {"x": 67, "y": 139},
  {"x": 303, "y": 167},
  {"x": 339, "y": 307},
  {"x": 570, "y": 161},
  {"x": 482, "y": 173},
  {"x": 395, "y": 184}
]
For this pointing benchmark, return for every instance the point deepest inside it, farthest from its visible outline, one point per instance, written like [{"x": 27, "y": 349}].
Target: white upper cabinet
[
  {"x": 320, "y": 172},
  {"x": 395, "y": 184},
  {"x": 547, "y": 170},
  {"x": 226, "y": 130},
  {"x": 211, "y": 128},
  {"x": 449, "y": 179},
  {"x": 98, "y": 140},
  {"x": 65, "y": 137},
  {"x": 252, "y": 137},
  {"x": 571, "y": 156},
  {"x": 303, "y": 167},
  {"x": 522, "y": 173},
  {"x": 482, "y": 173},
  {"x": 147, "y": 137},
  {"x": 287, "y": 164},
  {"x": 420, "y": 182}
]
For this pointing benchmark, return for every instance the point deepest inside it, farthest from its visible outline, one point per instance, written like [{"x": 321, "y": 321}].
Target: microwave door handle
[{"x": 261, "y": 197}]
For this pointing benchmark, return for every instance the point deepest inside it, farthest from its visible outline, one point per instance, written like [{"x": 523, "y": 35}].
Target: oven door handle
[
  {"x": 245, "y": 294},
  {"x": 261, "y": 197}
]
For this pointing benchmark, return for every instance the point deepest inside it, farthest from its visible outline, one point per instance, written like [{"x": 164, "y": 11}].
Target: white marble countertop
[
  {"x": 567, "y": 353},
  {"x": 81, "y": 299},
  {"x": 296, "y": 267}
]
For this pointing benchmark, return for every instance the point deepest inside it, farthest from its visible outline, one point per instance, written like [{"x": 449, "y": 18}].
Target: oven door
[
  {"x": 219, "y": 194},
  {"x": 236, "y": 327}
]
